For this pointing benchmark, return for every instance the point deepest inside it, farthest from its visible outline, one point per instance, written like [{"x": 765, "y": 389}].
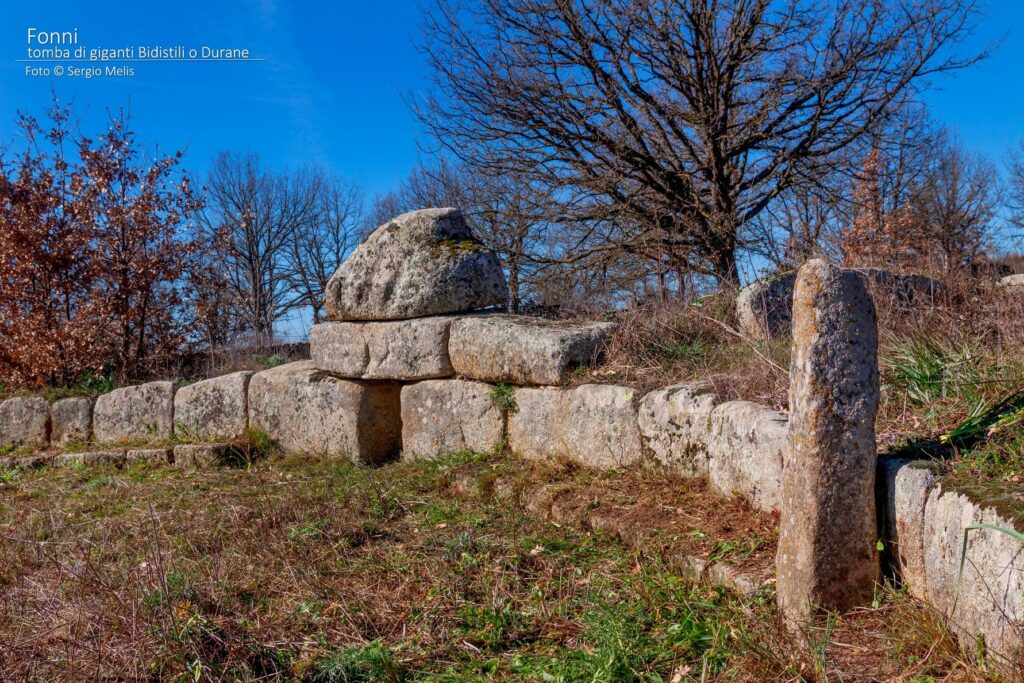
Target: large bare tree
[{"x": 676, "y": 123}]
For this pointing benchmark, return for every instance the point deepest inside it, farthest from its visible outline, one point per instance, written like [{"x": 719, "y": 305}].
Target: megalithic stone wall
[{"x": 827, "y": 557}]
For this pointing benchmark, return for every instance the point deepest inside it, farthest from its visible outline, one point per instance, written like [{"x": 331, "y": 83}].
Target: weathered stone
[
  {"x": 764, "y": 308},
  {"x": 203, "y": 454},
  {"x": 539, "y": 426},
  {"x": 141, "y": 412},
  {"x": 446, "y": 416},
  {"x": 602, "y": 430},
  {"x": 154, "y": 456},
  {"x": 906, "y": 486},
  {"x": 114, "y": 457},
  {"x": 988, "y": 601},
  {"x": 1013, "y": 282},
  {"x": 746, "y": 444},
  {"x": 304, "y": 409},
  {"x": 421, "y": 263},
  {"x": 71, "y": 420},
  {"x": 216, "y": 408},
  {"x": 522, "y": 350},
  {"x": 24, "y": 422},
  {"x": 827, "y": 557},
  {"x": 675, "y": 424},
  {"x": 398, "y": 349}
]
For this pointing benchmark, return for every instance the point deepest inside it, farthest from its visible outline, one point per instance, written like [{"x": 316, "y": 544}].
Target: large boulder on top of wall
[
  {"x": 764, "y": 308},
  {"x": 445, "y": 416},
  {"x": 421, "y": 263},
  {"x": 306, "y": 410},
  {"x": 141, "y": 412},
  {"x": 24, "y": 421},
  {"x": 215, "y": 408},
  {"x": 71, "y": 420},
  {"x": 523, "y": 350},
  {"x": 405, "y": 350}
]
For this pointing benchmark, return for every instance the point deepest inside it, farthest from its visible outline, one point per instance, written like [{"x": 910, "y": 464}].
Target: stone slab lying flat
[
  {"x": 522, "y": 350},
  {"x": 445, "y": 416},
  {"x": 153, "y": 456},
  {"x": 141, "y": 412},
  {"x": 421, "y": 263},
  {"x": 216, "y": 408},
  {"x": 306, "y": 410},
  {"x": 593, "y": 424},
  {"x": 24, "y": 421},
  {"x": 114, "y": 457},
  {"x": 71, "y": 420},
  {"x": 400, "y": 349},
  {"x": 202, "y": 454}
]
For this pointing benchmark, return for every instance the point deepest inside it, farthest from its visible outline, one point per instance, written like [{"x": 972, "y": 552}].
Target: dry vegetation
[{"x": 323, "y": 571}]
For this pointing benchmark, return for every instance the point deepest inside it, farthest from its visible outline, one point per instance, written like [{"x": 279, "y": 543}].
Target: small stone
[
  {"x": 827, "y": 558},
  {"x": 215, "y": 408},
  {"x": 24, "y": 422},
  {"x": 400, "y": 349},
  {"x": 306, "y": 410},
  {"x": 523, "y": 350},
  {"x": 71, "y": 420},
  {"x": 445, "y": 416},
  {"x": 143, "y": 412},
  {"x": 421, "y": 263}
]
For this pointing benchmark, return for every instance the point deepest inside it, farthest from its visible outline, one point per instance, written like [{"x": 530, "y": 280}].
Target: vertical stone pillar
[{"x": 827, "y": 558}]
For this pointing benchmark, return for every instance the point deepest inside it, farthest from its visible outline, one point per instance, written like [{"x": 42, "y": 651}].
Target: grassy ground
[{"x": 296, "y": 568}]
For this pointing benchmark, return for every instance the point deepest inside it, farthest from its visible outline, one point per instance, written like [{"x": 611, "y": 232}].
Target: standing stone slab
[
  {"x": 675, "y": 423},
  {"x": 523, "y": 350},
  {"x": 539, "y": 426},
  {"x": 306, "y": 410},
  {"x": 906, "y": 486},
  {"x": 216, "y": 408},
  {"x": 71, "y": 420},
  {"x": 144, "y": 411},
  {"x": 401, "y": 349},
  {"x": 827, "y": 557},
  {"x": 603, "y": 429},
  {"x": 24, "y": 422},
  {"x": 421, "y": 263},
  {"x": 746, "y": 445},
  {"x": 445, "y": 416},
  {"x": 989, "y": 600}
]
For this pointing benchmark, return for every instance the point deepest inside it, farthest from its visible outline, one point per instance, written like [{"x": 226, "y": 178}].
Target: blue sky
[{"x": 334, "y": 74}]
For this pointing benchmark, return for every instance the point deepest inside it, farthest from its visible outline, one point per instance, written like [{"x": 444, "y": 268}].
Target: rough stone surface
[
  {"x": 144, "y": 411},
  {"x": 602, "y": 430},
  {"x": 421, "y": 263},
  {"x": 989, "y": 601},
  {"x": 746, "y": 446},
  {"x": 827, "y": 557},
  {"x": 306, "y": 410},
  {"x": 674, "y": 423},
  {"x": 216, "y": 408},
  {"x": 90, "y": 458},
  {"x": 400, "y": 349},
  {"x": 71, "y": 420},
  {"x": 539, "y": 426},
  {"x": 154, "y": 456},
  {"x": 446, "y": 416},
  {"x": 24, "y": 422},
  {"x": 523, "y": 350},
  {"x": 765, "y": 307},
  {"x": 202, "y": 454},
  {"x": 906, "y": 486},
  {"x": 1014, "y": 282}
]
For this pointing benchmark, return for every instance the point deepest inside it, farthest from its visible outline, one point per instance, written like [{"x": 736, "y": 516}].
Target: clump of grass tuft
[
  {"x": 372, "y": 663},
  {"x": 503, "y": 396}
]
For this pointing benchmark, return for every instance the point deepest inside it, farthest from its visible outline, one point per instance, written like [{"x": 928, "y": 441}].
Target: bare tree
[
  {"x": 258, "y": 212},
  {"x": 679, "y": 122}
]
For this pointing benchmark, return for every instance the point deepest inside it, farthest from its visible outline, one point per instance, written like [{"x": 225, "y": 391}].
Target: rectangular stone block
[
  {"x": 905, "y": 486},
  {"x": 71, "y": 420},
  {"x": 304, "y": 409},
  {"x": 538, "y": 428},
  {"x": 399, "y": 350},
  {"x": 154, "y": 456},
  {"x": 445, "y": 416},
  {"x": 25, "y": 422},
  {"x": 216, "y": 408},
  {"x": 143, "y": 412},
  {"x": 523, "y": 350},
  {"x": 746, "y": 443},
  {"x": 114, "y": 457},
  {"x": 675, "y": 423},
  {"x": 202, "y": 455}
]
